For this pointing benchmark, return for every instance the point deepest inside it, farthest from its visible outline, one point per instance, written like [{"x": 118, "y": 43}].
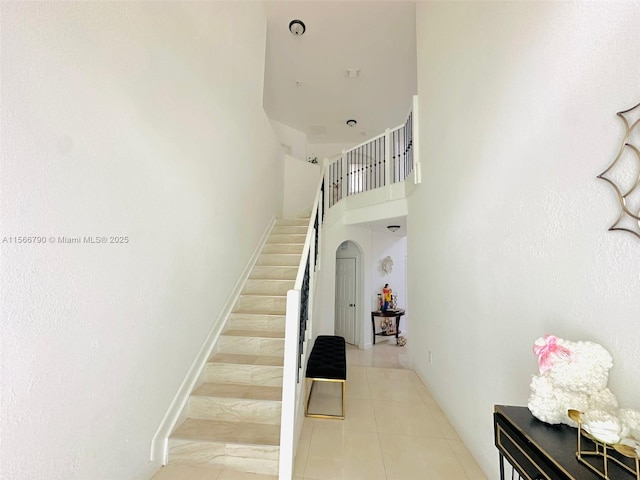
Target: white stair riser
[
  {"x": 267, "y": 287},
  {"x": 243, "y": 458},
  {"x": 251, "y": 345},
  {"x": 235, "y": 409},
  {"x": 243, "y": 374},
  {"x": 238, "y": 321}
]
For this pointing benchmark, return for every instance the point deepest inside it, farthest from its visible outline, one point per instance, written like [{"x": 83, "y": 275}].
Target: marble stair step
[
  {"x": 205, "y": 472},
  {"x": 287, "y": 238},
  {"x": 254, "y": 321},
  {"x": 271, "y": 304},
  {"x": 244, "y": 369},
  {"x": 274, "y": 273},
  {"x": 266, "y": 412},
  {"x": 290, "y": 248},
  {"x": 278, "y": 260},
  {"x": 252, "y": 360},
  {"x": 238, "y": 332},
  {"x": 230, "y": 390},
  {"x": 229, "y": 432},
  {"x": 251, "y": 342},
  {"x": 267, "y": 287},
  {"x": 289, "y": 230},
  {"x": 247, "y": 447},
  {"x": 297, "y": 222}
]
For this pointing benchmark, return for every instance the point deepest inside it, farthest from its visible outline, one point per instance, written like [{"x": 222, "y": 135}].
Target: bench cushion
[{"x": 328, "y": 358}]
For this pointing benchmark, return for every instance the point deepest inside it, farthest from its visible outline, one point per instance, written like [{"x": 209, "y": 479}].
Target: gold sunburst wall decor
[{"x": 623, "y": 174}]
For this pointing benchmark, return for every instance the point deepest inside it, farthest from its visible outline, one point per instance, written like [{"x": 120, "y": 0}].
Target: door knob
[{"x": 352, "y": 304}]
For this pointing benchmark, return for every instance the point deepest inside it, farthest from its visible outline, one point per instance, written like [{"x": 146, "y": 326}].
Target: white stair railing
[
  {"x": 299, "y": 317},
  {"x": 380, "y": 161}
]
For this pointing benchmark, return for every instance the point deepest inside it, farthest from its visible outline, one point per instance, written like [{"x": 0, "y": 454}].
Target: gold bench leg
[{"x": 308, "y": 399}]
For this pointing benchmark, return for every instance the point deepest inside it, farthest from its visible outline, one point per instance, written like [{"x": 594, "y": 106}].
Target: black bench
[{"x": 327, "y": 363}]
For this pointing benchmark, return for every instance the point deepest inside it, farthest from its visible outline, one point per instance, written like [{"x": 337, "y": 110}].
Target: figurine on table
[{"x": 386, "y": 297}]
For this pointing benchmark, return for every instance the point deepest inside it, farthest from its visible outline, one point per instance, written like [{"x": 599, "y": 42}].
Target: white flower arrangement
[{"x": 573, "y": 380}]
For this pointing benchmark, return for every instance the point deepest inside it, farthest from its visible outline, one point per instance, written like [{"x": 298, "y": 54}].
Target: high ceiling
[{"x": 307, "y": 86}]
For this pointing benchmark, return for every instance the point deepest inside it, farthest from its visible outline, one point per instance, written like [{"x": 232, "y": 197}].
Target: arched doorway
[{"x": 348, "y": 290}]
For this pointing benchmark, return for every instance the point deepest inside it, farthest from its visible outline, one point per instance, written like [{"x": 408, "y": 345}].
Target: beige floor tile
[
  {"x": 303, "y": 448},
  {"x": 419, "y": 458},
  {"x": 470, "y": 466},
  {"x": 406, "y": 418},
  {"x": 233, "y": 475},
  {"x": 344, "y": 454},
  {"x": 326, "y": 398},
  {"x": 425, "y": 394},
  {"x": 443, "y": 422},
  {"x": 394, "y": 391},
  {"x": 359, "y": 417},
  {"x": 357, "y": 383}
]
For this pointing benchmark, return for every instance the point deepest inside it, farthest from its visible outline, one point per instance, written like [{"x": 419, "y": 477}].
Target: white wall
[
  {"x": 301, "y": 179},
  {"x": 328, "y": 150},
  {"x": 508, "y": 233},
  {"x": 374, "y": 246},
  {"x": 293, "y": 141},
  {"x": 332, "y": 236},
  {"x": 142, "y": 120}
]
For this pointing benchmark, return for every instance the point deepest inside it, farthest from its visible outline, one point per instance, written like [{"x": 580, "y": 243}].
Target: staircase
[{"x": 233, "y": 416}]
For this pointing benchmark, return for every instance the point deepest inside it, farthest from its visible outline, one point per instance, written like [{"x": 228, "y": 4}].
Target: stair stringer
[{"x": 175, "y": 412}]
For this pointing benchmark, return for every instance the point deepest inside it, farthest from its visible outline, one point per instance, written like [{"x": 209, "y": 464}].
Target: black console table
[
  {"x": 539, "y": 451},
  {"x": 389, "y": 314}
]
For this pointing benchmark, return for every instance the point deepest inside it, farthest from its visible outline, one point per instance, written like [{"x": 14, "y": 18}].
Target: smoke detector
[{"x": 297, "y": 27}]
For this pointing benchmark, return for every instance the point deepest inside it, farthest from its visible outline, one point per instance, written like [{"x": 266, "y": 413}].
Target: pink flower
[{"x": 548, "y": 348}]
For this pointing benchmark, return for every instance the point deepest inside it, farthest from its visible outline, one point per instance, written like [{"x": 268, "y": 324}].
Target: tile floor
[{"x": 393, "y": 430}]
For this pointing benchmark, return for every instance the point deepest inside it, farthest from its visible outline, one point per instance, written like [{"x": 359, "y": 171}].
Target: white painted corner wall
[
  {"x": 300, "y": 187},
  {"x": 508, "y": 233},
  {"x": 292, "y": 141},
  {"x": 328, "y": 150},
  {"x": 136, "y": 120}
]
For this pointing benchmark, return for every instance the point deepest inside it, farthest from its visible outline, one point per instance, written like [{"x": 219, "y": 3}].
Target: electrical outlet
[{"x": 430, "y": 356}]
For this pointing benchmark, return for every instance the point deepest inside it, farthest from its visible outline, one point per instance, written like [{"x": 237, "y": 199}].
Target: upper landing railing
[{"x": 383, "y": 160}]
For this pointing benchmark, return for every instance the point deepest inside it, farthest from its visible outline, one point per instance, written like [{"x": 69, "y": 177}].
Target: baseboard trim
[{"x": 160, "y": 441}]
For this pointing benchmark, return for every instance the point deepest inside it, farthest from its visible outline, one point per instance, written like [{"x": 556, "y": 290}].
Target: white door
[{"x": 345, "y": 325}]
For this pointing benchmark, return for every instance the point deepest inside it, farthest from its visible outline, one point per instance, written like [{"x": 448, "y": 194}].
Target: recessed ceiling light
[
  {"x": 352, "y": 123},
  {"x": 297, "y": 27}
]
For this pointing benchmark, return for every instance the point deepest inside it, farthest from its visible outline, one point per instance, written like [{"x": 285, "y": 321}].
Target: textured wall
[
  {"x": 301, "y": 179},
  {"x": 126, "y": 119},
  {"x": 508, "y": 232}
]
